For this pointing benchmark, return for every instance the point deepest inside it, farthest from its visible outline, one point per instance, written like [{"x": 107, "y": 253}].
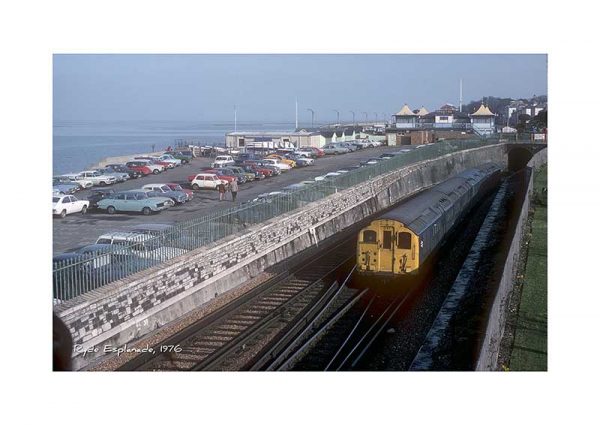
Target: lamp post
[
  {"x": 353, "y": 119},
  {"x": 338, "y": 116},
  {"x": 375, "y": 117},
  {"x": 366, "y": 117},
  {"x": 312, "y": 117}
]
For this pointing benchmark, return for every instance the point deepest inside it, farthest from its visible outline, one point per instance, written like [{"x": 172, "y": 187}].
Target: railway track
[{"x": 231, "y": 339}]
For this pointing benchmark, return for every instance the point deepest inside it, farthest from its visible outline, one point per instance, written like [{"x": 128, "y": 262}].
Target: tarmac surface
[{"x": 77, "y": 230}]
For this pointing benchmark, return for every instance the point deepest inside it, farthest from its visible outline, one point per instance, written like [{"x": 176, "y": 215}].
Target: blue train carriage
[{"x": 400, "y": 242}]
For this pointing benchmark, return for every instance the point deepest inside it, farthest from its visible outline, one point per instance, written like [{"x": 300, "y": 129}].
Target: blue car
[{"x": 133, "y": 201}]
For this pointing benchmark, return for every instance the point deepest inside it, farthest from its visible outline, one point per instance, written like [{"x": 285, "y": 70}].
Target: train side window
[
  {"x": 403, "y": 240},
  {"x": 387, "y": 239},
  {"x": 370, "y": 236}
]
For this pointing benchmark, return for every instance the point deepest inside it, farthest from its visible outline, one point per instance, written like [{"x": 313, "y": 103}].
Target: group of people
[{"x": 224, "y": 188}]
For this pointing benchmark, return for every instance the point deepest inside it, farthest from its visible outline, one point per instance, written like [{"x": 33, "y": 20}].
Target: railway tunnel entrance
[{"x": 518, "y": 157}]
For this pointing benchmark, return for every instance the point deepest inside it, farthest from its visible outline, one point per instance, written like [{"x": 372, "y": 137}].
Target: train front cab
[{"x": 387, "y": 248}]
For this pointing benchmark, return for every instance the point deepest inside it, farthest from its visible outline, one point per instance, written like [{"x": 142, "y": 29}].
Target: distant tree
[
  {"x": 522, "y": 123},
  {"x": 540, "y": 121}
]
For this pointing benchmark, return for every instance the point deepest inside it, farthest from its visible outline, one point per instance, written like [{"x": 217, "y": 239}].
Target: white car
[
  {"x": 81, "y": 181},
  {"x": 206, "y": 181},
  {"x": 168, "y": 158},
  {"x": 97, "y": 178},
  {"x": 276, "y": 163},
  {"x": 328, "y": 176},
  {"x": 222, "y": 161},
  {"x": 68, "y": 204},
  {"x": 141, "y": 245}
]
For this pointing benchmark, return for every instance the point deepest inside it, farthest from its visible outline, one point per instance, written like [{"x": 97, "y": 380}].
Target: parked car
[
  {"x": 371, "y": 161},
  {"x": 302, "y": 161},
  {"x": 64, "y": 188},
  {"x": 153, "y": 160},
  {"x": 206, "y": 181},
  {"x": 222, "y": 173},
  {"x": 98, "y": 194},
  {"x": 77, "y": 179},
  {"x": 121, "y": 177},
  {"x": 177, "y": 196},
  {"x": 222, "y": 161},
  {"x": 68, "y": 204},
  {"x": 184, "y": 156},
  {"x": 176, "y": 186},
  {"x": 329, "y": 176},
  {"x": 239, "y": 171},
  {"x": 269, "y": 166},
  {"x": 241, "y": 158},
  {"x": 277, "y": 163},
  {"x": 133, "y": 201},
  {"x": 348, "y": 145},
  {"x": 122, "y": 168},
  {"x": 154, "y": 168},
  {"x": 316, "y": 152},
  {"x": 259, "y": 174},
  {"x": 143, "y": 245},
  {"x": 334, "y": 149},
  {"x": 97, "y": 178},
  {"x": 169, "y": 158},
  {"x": 142, "y": 167},
  {"x": 282, "y": 159}
]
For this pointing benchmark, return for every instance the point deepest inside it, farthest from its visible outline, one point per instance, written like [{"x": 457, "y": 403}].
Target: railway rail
[{"x": 232, "y": 337}]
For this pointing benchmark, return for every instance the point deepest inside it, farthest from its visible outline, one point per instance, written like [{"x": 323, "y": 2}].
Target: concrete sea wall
[{"x": 127, "y": 309}]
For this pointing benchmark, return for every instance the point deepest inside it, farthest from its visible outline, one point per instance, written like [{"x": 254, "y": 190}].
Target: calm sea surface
[{"x": 77, "y": 145}]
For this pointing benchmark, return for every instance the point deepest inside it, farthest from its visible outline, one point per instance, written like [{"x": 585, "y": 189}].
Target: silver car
[{"x": 335, "y": 149}]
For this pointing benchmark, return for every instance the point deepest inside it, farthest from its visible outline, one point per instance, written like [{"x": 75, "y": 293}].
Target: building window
[
  {"x": 241, "y": 142},
  {"x": 443, "y": 118}
]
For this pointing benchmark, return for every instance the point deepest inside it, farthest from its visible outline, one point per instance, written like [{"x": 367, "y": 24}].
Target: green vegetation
[{"x": 530, "y": 346}]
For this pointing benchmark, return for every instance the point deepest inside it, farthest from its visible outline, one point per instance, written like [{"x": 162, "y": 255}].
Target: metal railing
[{"x": 81, "y": 273}]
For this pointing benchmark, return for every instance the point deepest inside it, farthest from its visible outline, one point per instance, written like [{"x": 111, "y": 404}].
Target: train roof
[{"x": 418, "y": 212}]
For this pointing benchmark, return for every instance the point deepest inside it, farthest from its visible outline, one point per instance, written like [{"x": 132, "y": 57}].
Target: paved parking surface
[{"x": 78, "y": 230}]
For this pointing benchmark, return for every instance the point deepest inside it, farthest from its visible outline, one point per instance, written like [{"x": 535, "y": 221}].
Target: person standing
[
  {"x": 234, "y": 190},
  {"x": 221, "y": 189}
]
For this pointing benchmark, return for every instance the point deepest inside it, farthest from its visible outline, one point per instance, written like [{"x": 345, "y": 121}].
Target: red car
[
  {"x": 316, "y": 151},
  {"x": 209, "y": 170},
  {"x": 175, "y": 186},
  {"x": 264, "y": 171},
  {"x": 139, "y": 168}
]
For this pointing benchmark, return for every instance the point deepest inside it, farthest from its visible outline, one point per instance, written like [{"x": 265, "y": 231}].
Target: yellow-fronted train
[{"x": 400, "y": 243}]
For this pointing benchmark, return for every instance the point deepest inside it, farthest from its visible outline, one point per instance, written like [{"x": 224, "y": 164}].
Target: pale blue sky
[{"x": 205, "y": 87}]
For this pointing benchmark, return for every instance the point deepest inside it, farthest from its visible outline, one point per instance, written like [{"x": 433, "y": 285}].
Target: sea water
[{"x": 78, "y": 145}]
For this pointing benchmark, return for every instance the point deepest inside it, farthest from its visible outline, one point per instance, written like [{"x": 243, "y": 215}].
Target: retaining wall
[
  {"x": 488, "y": 357},
  {"x": 125, "y": 310}
]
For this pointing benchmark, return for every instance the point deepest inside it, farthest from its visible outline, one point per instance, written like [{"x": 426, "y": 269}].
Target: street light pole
[
  {"x": 312, "y": 119},
  {"x": 353, "y": 119},
  {"x": 366, "y": 117},
  {"x": 338, "y": 116}
]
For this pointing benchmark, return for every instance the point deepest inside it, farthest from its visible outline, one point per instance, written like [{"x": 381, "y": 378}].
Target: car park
[
  {"x": 133, "y": 201},
  {"x": 68, "y": 204},
  {"x": 98, "y": 194},
  {"x": 223, "y": 161},
  {"x": 177, "y": 196},
  {"x": 206, "y": 181},
  {"x": 79, "y": 180},
  {"x": 97, "y": 179},
  {"x": 224, "y": 174}
]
